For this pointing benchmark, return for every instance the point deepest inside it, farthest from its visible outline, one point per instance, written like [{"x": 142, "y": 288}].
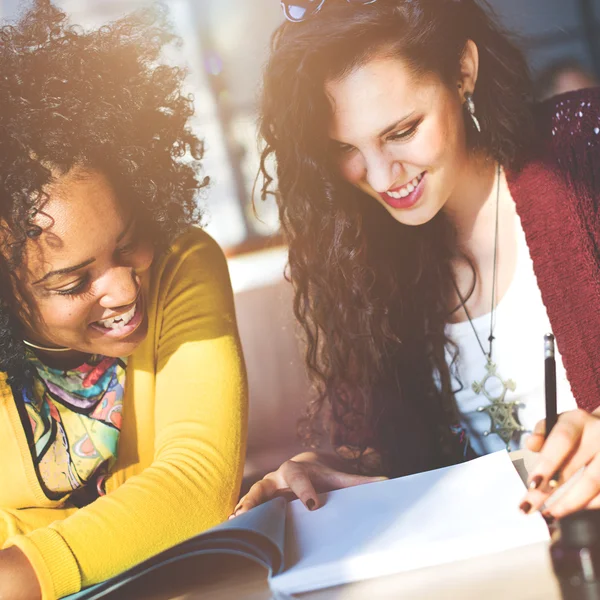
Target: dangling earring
[{"x": 471, "y": 109}]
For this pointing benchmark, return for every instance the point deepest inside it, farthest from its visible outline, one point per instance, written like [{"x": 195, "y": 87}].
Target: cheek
[
  {"x": 352, "y": 169},
  {"x": 143, "y": 259},
  {"x": 64, "y": 314},
  {"x": 452, "y": 134},
  {"x": 443, "y": 141}
]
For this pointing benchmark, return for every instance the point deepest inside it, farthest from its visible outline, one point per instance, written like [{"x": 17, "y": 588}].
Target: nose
[
  {"x": 121, "y": 287},
  {"x": 382, "y": 171}
]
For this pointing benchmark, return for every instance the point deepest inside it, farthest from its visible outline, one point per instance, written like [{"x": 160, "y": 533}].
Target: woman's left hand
[
  {"x": 18, "y": 580},
  {"x": 573, "y": 443}
]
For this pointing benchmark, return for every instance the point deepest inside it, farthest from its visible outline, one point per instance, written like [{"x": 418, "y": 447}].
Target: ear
[{"x": 469, "y": 68}]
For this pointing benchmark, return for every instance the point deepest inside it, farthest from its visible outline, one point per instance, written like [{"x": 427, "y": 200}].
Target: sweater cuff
[{"x": 52, "y": 560}]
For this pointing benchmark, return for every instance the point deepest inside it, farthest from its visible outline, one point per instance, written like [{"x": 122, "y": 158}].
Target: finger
[
  {"x": 297, "y": 478},
  {"x": 595, "y": 503},
  {"x": 549, "y": 492},
  {"x": 240, "y": 502},
  {"x": 561, "y": 444},
  {"x": 286, "y": 494},
  {"x": 581, "y": 494},
  {"x": 540, "y": 428},
  {"x": 535, "y": 442},
  {"x": 259, "y": 493}
]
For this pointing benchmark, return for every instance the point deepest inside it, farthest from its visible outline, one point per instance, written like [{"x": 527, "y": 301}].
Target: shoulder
[
  {"x": 193, "y": 269},
  {"x": 569, "y": 123},
  {"x": 192, "y": 249},
  {"x": 189, "y": 290},
  {"x": 568, "y": 136},
  {"x": 195, "y": 241}
]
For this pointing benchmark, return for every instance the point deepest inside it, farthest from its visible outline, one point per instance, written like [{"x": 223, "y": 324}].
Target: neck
[
  {"x": 472, "y": 205},
  {"x": 61, "y": 360}
]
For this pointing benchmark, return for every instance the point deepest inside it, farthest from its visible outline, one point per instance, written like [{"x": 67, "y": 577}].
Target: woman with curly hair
[
  {"x": 439, "y": 225},
  {"x": 122, "y": 386}
]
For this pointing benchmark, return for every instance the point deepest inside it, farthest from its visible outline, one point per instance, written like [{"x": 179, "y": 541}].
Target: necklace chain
[
  {"x": 494, "y": 277},
  {"x": 503, "y": 414},
  {"x": 44, "y": 348}
]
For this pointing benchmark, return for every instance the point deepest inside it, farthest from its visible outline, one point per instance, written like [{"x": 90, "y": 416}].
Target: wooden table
[{"x": 522, "y": 574}]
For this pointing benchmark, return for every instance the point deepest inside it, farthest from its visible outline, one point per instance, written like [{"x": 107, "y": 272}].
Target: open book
[{"x": 368, "y": 531}]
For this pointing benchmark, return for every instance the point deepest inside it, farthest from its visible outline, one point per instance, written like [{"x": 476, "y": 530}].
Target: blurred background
[{"x": 225, "y": 45}]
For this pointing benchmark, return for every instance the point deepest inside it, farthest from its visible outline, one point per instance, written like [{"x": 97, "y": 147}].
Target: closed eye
[
  {"x": 128, "y": 248},
  {"x": 404, "y": 134},
  {"x": 74, "y": 290},
  {"x": 133, "y": 243},
  {"x": 344, "y": 148}
]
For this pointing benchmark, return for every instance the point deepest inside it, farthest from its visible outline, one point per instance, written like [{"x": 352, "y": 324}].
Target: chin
[
  {"x": 419, "y": 215},
  {"x": 120, "y": 348}
]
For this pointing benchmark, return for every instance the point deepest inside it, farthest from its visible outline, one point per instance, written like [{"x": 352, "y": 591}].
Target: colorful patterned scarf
[{"x": 75, "y": 419}]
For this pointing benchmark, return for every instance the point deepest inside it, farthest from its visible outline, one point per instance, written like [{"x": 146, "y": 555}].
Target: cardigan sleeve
[
  {"x": 557, "y": 194},
  {"x": 199, "y": 439}
]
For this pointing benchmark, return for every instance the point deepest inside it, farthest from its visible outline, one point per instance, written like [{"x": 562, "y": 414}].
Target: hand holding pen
[{"x": 566, "y": 443}]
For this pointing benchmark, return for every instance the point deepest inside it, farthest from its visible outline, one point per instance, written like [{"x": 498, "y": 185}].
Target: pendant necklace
[{"x": 503, "y": 415}]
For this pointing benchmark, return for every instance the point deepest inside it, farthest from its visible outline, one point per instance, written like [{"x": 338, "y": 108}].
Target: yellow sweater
[{"x": 182, "y": 443}]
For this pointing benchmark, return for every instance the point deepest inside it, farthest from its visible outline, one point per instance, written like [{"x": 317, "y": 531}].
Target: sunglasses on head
[{"x": 300, "y": 10}]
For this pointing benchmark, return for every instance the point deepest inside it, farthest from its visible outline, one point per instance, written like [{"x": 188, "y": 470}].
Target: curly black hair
[{"x": 96, "y": 99}]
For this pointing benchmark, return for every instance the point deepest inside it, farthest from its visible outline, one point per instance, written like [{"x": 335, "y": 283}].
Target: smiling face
[
  {"x": 85, "y": 268},
  {"x": 399, "y": 137}
]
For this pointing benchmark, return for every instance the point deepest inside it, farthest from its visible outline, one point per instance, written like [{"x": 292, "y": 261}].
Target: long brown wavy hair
[{"x": 372, "y": 294}]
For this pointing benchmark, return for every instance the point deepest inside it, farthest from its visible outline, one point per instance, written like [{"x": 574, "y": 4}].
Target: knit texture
[{"x": 557, "y": 197}]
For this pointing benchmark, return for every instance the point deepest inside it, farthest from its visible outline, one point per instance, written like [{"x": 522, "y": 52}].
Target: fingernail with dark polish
[
  {"x": 535, "y": 483},
  {"x": 310, "y": 504},
  {"x": 525, "y": 507},
  {"x": 548, "y": 518}
]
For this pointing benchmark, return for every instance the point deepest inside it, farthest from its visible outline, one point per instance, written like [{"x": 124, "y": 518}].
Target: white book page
[{"x": 408, "y": 523}]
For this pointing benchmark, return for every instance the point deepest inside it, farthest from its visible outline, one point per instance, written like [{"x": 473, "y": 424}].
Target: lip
[
  {"x": 135, "y": 322},
  {"x": 408, "y": 201},
  {"x": 122, "y": 312}
]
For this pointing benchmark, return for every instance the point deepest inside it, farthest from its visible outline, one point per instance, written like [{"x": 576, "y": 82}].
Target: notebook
[{"x": 368, "y": 531}]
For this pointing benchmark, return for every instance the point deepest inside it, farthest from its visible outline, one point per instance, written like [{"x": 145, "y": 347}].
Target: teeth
[
  {"x": 409, "y": 188},
  {"x": 120, "y": 321}
]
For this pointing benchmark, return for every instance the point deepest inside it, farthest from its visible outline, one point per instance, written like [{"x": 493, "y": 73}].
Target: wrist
[{"x": 18, "y": 580}]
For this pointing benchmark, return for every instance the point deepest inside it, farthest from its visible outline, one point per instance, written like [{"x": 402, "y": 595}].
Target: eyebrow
[
  {"x": 64, "y": 271},
  {"x": 85, "y": 263},
  {"x": 394, "y": 125}
]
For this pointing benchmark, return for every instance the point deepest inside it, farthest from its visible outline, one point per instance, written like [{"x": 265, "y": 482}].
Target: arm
[
  {"x": 199, "y": 440},
  {"x": 17, "y": 577},
  {"x": 304, "y": 476}
]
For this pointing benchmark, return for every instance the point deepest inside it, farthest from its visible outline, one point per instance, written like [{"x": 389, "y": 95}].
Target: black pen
[{"x": 550, "y": 390}]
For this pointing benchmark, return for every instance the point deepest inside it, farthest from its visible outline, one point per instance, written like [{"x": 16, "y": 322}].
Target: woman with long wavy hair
[
  {"x": 434, "y": 217},
  {"x": 122, "y": 385}
]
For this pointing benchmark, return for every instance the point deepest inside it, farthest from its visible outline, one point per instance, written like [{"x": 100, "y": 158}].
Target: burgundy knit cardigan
[{"x": 557, "y": 195}]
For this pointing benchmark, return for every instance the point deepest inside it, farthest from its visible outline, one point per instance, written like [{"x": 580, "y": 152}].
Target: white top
[{"x": 518, "y": 352}]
